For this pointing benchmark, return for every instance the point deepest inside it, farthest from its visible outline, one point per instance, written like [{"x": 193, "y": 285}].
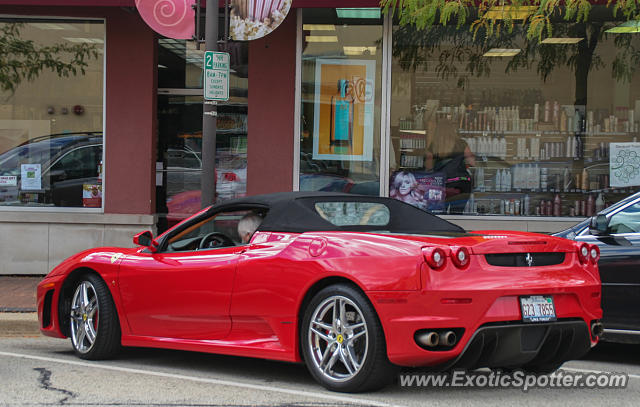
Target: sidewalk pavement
[{"x": 18, "y": 317}]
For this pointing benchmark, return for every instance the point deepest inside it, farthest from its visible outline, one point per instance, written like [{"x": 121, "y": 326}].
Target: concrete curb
[{"x": 19, "y": 324}]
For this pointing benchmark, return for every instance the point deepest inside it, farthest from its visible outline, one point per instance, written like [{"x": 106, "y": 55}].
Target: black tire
[
  {"x": 93, "y": 319},
  {"x": 330, "y": 337}
]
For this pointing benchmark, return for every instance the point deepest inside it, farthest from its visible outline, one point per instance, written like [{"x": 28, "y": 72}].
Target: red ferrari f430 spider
[{"x": 353, "y": 286}]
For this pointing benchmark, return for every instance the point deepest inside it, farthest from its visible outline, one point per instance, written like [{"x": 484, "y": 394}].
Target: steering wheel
[{"x": 215, "y": 239}]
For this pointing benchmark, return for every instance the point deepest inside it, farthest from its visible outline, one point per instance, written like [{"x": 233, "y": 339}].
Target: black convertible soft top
[{"x": 295, "y": 212}]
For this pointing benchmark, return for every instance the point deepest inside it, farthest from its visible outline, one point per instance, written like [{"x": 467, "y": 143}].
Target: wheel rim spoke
[
  {"x": 92, "y": 307},
  {"x": 325, "y": 357},
  {"x": 351, "y": 358},
  {"x": 332, "y": 360},
  {"x": 343, "y": 313},
  {"x": 91, "y": 333},
  {"x": 335, "y": 317},
  {"x": 356, "y": 336},
  {"x": 323, "y": 325},
  {"x": 85, "y": 296},
  {"x": 322, "y": 335},
  {"x": 356, "y": 326},
  {"x": 80, "y": 335},
  {"x": 346, "y": 363}
]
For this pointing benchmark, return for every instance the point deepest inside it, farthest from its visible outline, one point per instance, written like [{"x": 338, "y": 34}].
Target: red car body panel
[{"x": 247, "y": 300}]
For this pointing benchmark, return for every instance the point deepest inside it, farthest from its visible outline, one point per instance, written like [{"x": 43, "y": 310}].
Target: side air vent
[{"x": 46, "y": 309}]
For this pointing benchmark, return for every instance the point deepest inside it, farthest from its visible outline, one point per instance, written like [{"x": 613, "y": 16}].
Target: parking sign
[{"x": 216, "y": 75}]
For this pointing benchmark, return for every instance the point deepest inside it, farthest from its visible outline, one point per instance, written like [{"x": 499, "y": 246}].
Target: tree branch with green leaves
[
  {"x": 494, "y": 16},
  {"x": 22, "y": 59}
]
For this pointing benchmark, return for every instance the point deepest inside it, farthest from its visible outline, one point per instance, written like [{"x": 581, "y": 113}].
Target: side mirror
[
  {"x": 599, "y": 225},
  {"x": 146, "y": 239}
]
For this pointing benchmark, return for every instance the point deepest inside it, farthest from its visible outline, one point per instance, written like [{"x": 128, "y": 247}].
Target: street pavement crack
[{"x": 45, "y": 382}]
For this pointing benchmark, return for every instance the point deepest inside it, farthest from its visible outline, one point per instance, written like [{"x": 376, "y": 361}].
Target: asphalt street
[{"x": 38, "y": 371}]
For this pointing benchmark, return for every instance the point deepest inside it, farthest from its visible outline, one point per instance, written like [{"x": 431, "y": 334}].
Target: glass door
[{"x": 340, "y": 100}]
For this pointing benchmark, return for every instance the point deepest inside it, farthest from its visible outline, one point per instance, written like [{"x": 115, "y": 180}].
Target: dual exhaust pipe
[
  {"x": 431, "y": 339},
  {"x": 596, "y": 329}
]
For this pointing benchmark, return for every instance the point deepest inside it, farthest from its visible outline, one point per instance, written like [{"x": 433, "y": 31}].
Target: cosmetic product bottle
[
  {"x": 599, "y": 203},
  {"x": 557, "y": 204},
  {"x": 577, "y": 121},
  {"x": 547, "y": 111},
  {"x": 590, "y": 205},
  {"x": 341, "y": 129}
]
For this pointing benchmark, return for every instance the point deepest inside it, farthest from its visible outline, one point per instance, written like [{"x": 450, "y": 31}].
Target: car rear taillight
[
  {"x": 460, "y": 257},
  {"x": 435, "y": 257},
  {"x": 583, "y": 253},
  {"x": 594, "y": 254}
]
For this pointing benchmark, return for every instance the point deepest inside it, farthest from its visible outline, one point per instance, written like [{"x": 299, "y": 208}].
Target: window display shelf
[{"x": 545, "y": 133}]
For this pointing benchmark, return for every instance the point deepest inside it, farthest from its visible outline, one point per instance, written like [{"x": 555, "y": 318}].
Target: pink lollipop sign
[{"x": 171, "y": 18}]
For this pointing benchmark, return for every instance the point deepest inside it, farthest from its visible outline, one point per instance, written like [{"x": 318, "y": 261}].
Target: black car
[
  {"x": 616, "y": 231},
  {"x": 67, "y": 162}
]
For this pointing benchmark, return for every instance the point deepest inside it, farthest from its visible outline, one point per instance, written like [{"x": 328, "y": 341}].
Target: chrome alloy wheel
[
  {"x": 338, "y": 338},
  {"x": 84, "y": 317}
]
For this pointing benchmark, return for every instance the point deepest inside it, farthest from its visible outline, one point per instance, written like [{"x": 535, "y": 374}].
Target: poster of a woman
[{"x": 405, "y": 188}]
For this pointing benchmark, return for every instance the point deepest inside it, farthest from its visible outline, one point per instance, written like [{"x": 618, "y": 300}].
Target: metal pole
[{"x": 210, "y": 113}]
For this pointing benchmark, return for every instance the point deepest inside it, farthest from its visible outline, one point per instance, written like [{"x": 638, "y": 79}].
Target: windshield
[{"x": 620, "y": 203}]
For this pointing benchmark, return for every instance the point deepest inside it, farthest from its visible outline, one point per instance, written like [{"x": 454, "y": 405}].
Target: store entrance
[
  {"x": 179, "y": 150},
  {"x": 179, "y": 155}
]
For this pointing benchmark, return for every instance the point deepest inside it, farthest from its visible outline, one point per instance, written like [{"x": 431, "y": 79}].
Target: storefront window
[
  {"x": 341, "y": 97},
  {"x": 51, "y": 112},
  {"x": 179, "y": 162},
  {"x": 501, "y": 125}
]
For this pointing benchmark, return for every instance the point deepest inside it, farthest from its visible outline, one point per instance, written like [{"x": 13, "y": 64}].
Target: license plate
[{"x": 537, "y": 308}]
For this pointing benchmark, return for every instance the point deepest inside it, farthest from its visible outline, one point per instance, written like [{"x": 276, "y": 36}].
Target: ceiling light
[
  {"x": 630, "y": 27},
  {"x": 501, "y": 52},
  {"x": 85, "y": 40},
  {"x": 318, "y": 27},
  {"x": 510, "y": 12},
  {"x": 553, "y": 40},
  {"x": 53, "y": 26},
  {"x": 359, "y": 50},
  {"x": 373, "y": 12},
  {"x": 321, "y": 38},
  {"x": 414, "y": 131}
]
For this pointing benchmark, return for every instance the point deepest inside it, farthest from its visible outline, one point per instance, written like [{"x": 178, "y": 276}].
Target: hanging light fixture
[{"x": 629, "y": 27}]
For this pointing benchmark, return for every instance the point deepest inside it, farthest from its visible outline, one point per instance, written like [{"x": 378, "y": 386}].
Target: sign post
[
  {"x": 216, "y": 75},
  {"x": 209, "y": 114}
]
